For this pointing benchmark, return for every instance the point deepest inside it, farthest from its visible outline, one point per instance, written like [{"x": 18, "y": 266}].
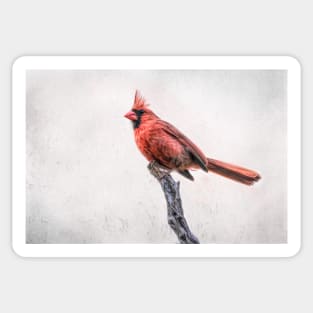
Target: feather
[
  {"x": 234, "y": 172},
  {"x": 197, "y": 155},
  {"x": 186, "y": 174},
  {"x": 139, "y": 101}
]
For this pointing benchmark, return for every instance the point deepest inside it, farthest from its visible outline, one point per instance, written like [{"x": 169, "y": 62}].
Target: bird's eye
[{"x": 139, "y": 112}]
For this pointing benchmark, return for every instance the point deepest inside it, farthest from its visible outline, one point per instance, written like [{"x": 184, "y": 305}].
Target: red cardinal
[{"x": 160, "y": 141}]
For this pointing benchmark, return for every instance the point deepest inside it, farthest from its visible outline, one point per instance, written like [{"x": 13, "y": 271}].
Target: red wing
[{"x": 195, "y": 152}]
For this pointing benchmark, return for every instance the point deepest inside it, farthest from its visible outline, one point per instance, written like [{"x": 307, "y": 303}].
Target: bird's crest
[{"x": 139, "y": 101}]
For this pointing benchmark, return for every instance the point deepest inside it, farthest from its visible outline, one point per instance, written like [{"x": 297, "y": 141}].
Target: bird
[{"x": 161, "y": 142}]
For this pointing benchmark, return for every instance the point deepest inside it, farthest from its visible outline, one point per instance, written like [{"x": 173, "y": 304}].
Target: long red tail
[{"x": 234, "y": 172}]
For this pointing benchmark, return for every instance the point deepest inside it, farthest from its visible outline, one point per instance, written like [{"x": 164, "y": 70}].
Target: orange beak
[{"x": 131, "y": 116}]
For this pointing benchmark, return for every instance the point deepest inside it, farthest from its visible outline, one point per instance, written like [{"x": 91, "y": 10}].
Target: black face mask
[{"x": 138, "y": 113}]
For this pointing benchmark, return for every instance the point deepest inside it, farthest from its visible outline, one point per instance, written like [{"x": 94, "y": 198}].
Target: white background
[{"x": 148, "y": 285}]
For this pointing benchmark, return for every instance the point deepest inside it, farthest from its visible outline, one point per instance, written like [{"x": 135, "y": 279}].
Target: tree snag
[{"x": 175, "y": 213}]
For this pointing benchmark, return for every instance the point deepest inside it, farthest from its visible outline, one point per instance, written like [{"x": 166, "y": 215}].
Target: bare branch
[{"x": 175, "y": 213}]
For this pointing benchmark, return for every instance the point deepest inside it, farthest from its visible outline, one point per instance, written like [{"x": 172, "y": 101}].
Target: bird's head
[{"x": 140, "y": 111}]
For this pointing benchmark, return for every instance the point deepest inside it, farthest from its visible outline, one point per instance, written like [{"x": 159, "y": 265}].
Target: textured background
[{"x": 88, "y": 183}]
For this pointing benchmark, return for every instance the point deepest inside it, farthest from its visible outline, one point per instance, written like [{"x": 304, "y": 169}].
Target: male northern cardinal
[{"x": 160, "y": 141}]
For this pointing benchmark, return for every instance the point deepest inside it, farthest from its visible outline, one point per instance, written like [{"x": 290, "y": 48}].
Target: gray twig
[{"x": 175, "y": 213}]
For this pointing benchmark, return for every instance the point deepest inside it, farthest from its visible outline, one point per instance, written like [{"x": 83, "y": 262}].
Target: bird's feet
[{"x": 158, "y": 170}]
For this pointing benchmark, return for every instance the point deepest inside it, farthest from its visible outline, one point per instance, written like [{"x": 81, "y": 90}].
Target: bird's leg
[{"x": 158, "y": 170}]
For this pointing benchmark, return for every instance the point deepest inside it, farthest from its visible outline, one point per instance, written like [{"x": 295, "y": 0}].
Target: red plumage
[{"x": 160, "y": 141}]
